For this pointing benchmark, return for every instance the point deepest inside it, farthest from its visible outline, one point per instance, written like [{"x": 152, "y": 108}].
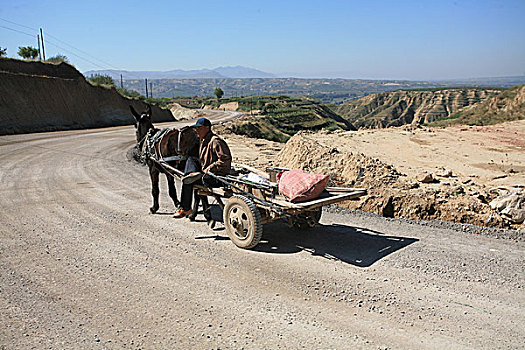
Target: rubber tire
[
  {"x": 300, "y": 221},
  {"x": 242, "y": 221}
]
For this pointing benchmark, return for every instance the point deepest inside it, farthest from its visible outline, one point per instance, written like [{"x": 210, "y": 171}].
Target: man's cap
[{"x": 201, "y": 122}]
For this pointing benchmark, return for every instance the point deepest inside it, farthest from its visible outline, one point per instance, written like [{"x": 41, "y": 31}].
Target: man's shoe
[
  {"x": 182, "y": 213},
  {"x": 191, "y": 178}
]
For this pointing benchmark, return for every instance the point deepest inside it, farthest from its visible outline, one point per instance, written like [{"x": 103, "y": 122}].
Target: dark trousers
[{"x": 193, "y": 164}]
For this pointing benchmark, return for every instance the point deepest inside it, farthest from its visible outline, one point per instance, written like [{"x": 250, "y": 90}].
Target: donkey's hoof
[{"x": 153, "y": 210}]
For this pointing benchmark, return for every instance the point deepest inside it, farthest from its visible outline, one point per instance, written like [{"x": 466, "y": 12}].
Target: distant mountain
[
  {"x": 217, "y": 73},
  {"x": 242, "y": 72}
]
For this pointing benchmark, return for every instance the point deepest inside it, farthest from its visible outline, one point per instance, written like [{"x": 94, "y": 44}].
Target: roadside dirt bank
[
  {"x": 466, "y": 168},
  {"x": 37, "y": 97}
]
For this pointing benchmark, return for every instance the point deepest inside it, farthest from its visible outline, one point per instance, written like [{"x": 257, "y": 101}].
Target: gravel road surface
[{"x": 84, "y": 266}]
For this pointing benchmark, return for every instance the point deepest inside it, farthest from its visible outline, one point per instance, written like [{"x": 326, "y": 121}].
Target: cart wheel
[
  {"x": 307, "y": 219},
  {"x": 242, "y": 221}
]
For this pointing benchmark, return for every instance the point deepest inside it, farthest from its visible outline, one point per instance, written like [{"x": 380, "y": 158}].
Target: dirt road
[{"x": 83, "y": 265}]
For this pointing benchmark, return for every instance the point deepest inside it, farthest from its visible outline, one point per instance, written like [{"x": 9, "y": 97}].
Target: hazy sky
[{"x": 422, "y": 39}]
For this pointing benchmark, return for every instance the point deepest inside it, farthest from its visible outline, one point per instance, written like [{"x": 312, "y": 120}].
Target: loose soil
[{"x": 467, "y": 163}]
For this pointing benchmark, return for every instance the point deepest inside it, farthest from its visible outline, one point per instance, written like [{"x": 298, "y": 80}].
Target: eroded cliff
[
  {"x": 36, "y": 97},
  {"x": 415, "y": 107}
]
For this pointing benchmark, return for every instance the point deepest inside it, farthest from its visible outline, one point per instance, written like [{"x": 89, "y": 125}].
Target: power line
[
  {"x": 18, "y": 31},
  {"x": 61, "y": 41},
  {"x": 84, "y": 52},
  {"x": 74, "y": 54},
  {"x": 61, "y": 48},
  {"x": 18, "y": 24},
  {"x": 54, "y": 44}
]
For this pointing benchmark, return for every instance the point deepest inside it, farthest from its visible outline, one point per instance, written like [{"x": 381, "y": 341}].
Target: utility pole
[
  {"x": 121, "y": 84},
  {"x": 43, "y": 49},
  {"x": 39, "y": 52},
  {"x": 146, "y": 80},
  {"x": 151, "y": 90}
]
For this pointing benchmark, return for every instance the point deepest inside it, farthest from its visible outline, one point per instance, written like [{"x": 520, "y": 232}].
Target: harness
[{"x": 149, "y": 149}]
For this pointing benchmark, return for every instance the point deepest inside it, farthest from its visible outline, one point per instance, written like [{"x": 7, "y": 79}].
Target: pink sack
[{"x": 299, "y": 186}]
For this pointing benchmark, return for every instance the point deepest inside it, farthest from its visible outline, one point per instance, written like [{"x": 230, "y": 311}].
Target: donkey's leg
[
  {"x": 206, "y": 208},
  {"x": 207, "y": 212},
  {"x": 154, "y": 175},
  {"x": 196, "y": 200},
  {"x": 172, "y": 190}
]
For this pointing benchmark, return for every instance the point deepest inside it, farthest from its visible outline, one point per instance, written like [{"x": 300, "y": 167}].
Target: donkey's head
[
  {"x": 188, "y": 142},
  {"x": 142, "y": 123}
]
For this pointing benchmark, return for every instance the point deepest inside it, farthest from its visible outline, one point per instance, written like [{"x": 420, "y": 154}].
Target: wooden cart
[{"x": 247, "y": 205}]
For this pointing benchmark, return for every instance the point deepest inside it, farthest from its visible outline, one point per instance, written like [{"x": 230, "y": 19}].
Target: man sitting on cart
[{"x": 214, "y": 157}]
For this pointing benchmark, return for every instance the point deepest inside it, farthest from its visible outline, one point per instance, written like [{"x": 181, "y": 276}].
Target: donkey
[{"x": 170, "y": 145}]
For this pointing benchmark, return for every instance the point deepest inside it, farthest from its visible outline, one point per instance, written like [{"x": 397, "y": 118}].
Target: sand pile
[
  {"x": 181, "y": 113},
  {"x": 392, "y": 193}
]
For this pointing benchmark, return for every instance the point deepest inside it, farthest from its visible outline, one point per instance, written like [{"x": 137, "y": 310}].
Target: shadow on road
[{"x": 353, "y": 245}]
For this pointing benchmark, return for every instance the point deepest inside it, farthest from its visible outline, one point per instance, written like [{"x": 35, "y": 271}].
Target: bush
[
  {"x": 129, "y": 93},
  {"x": 99, "y": 79},
  {"x": 58, "y": 59}
]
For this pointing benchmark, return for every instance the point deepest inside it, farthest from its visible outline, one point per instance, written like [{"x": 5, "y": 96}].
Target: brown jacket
[{"x": 215, "y": 155}]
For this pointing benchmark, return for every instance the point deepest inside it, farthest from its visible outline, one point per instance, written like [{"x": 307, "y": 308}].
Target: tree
[
  {"x": 219, "y": 93},
  {"x": 58, "y": 59},
  {"x": 101, "y": 79},
  {"x": 27, "y": 52},
  {"x": 3, "y": 52}
]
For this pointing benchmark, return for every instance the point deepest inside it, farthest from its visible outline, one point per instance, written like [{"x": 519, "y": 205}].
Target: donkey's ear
[
  {"x": 148, "y": 110},
  {"x": 134, "y": 112}
]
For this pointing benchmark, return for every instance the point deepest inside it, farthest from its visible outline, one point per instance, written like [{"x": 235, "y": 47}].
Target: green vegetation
[
  {"x": 3, "y": 52},
  {"x": 277, "y": 118},
  {"x": 57, "y": 59},
  {"x": 130, "y": 93},
  {"x": 107, "y": 82},
  {"x": 98, "y": 79},
  {"x": 259, "y": 128},
  {"x": 27, "y": 52},
  {"x": 218, "y": 93}
]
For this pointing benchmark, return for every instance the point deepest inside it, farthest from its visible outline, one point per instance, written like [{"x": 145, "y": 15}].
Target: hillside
[
  {"x": 508, "y": 106},
  {"x": 415, "y": 107},
  {"x": 279, "y": 117},
  {"x": 37, "y": 97}
]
